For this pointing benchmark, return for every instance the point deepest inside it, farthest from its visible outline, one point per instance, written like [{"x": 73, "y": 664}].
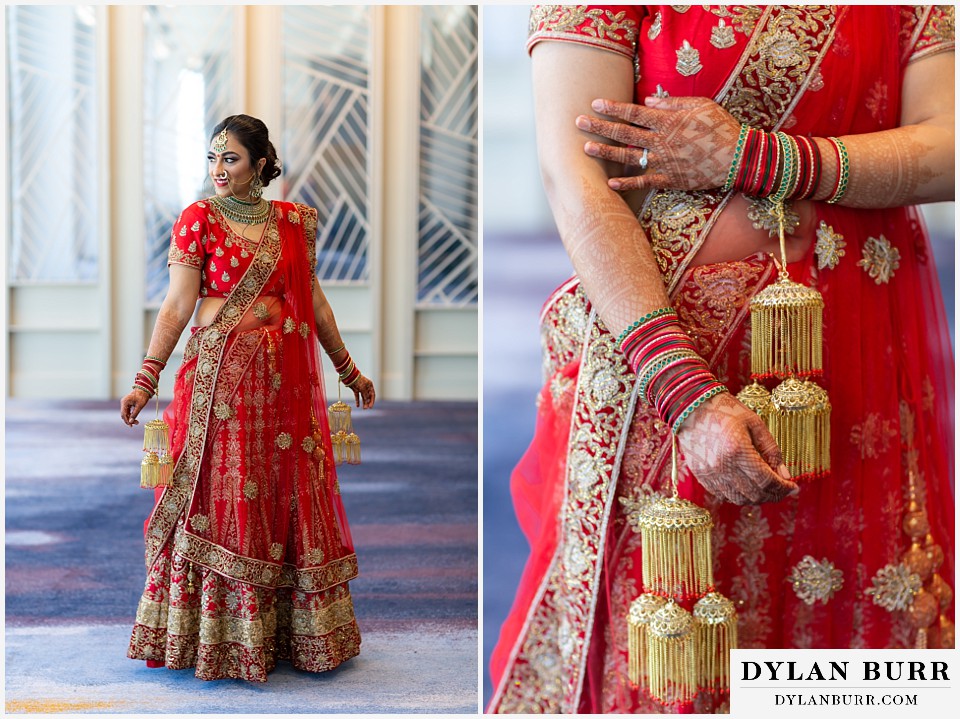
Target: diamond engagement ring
[{"x": 643, "y": 161}]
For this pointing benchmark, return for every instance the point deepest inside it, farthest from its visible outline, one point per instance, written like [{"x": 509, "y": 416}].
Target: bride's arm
[
  {"x": 691, "y": 142},
  {"x": 727, "y": 447}
]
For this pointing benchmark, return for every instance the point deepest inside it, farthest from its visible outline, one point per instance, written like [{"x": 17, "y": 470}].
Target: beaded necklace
[{"x": 245, "y": 213}]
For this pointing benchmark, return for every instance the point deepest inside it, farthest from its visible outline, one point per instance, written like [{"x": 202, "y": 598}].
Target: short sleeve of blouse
[
  {"x": 609, "y": 27},
  {"x": 926, "y": 30},
  {"x": 187, "y": 239}
]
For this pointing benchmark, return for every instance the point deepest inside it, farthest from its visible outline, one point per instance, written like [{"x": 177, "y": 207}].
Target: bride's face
[{"x": 231, "y": 170}]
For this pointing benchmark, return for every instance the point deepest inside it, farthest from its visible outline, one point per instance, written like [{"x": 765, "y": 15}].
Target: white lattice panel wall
[
  {"x": 448, "y": 256},
  {"x": 326, "y": 130}
]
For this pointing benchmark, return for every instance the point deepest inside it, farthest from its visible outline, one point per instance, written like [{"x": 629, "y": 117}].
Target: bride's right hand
[
  {"x": 732, "y": 454},
  {"x": 131, "y": 405}
]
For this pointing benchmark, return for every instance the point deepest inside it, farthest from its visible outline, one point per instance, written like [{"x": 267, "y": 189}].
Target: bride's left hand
[
  {"x": 689, "y": 141},
  {"x": 363, "y": 391}
]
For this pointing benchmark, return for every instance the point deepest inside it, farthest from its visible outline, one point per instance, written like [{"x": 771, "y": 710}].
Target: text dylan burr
[{"x": 838, "y": 671}]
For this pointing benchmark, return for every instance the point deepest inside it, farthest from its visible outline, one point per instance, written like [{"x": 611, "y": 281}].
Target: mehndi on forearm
[
  {"x": 610, "y": 253},
  {"x": 890, "y": 168}
]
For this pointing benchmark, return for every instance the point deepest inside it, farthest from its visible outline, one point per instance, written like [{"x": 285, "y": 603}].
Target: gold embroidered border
[
  {"x": 212, "y": 344},
  {"x": 264, "y": 574},
  {"x": 234, "y": 660},
  {"x": 602, "y": 405},
  {"x": 309, "y": 216},
  {"x": 563, "y": 22},
  {"x": 532, "y": 682},
  {"x": 935, "y": 32},
  {"x": 563, "y": 328}
]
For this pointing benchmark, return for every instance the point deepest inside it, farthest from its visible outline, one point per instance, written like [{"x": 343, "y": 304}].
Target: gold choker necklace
[{"x": 246, "y": 213}]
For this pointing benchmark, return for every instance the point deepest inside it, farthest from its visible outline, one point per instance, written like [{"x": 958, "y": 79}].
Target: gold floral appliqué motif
[
  {"x": 880, "y": 259},
  {"x": 893, "y": 587},
  {"x": 815, "y": 581},
  {"x": 829, "y": 247}
]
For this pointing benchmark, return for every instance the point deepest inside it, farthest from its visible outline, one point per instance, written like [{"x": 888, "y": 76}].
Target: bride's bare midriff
[
  {"x": 733, "y": 236},
  {"x": 207, "y": 310}
]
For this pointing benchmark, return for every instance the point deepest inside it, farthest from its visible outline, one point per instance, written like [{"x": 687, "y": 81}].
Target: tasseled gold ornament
[
  {"x": 787, "y": 324},
  {"x": 672, "y": 654},
  {"x": 715, "y": 619},
  {"x": 352, "y": 446},
  {"x": 338, "y": 441},
  {"x": 756, "y": 397},
  {"x": 346, "y": 443},
  {"x": 799, "y": 419},
  {"x": 671, "y": 661},
  {"x": 339, "y": 415},
  {"x": 787, "y": 329},
  {"x": 156, "y": 469},
  {"x": 156, "y": 435},
  {"x": 638, "y": 619},
  {"x": 787, "y": 343},
  {"x": 676, "y": 548}
]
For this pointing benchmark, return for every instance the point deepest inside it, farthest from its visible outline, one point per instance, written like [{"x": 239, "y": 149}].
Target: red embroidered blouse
[{"x": 201, "y": 238}]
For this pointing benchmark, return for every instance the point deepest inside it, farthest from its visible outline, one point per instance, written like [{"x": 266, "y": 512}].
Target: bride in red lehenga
[
  {"x": 862, "y": 557},
  {"x": 248, "y": 553}
]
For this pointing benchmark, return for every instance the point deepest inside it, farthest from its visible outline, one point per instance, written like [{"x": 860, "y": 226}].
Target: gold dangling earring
[{"x": 256, "y": 188}]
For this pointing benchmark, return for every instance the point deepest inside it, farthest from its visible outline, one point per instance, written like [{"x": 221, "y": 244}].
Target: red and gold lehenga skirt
[
  {"x": 862, "y": 558},
  {"x": 249, "y": 552}
]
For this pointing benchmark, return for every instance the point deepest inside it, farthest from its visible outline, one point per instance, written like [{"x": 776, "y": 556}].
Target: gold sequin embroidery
[
  {"x": 260, "y": 311},
  {"x": 222, "y": 410},
  {"x": 880, "y": 259},
  {"x": 815, "y": 581},
  {"x": 604, "y": 28},
  {"x": 200, "y": 522},
  {"x": 250, "y": 489},
  {"x": 276, "y": 550},
  {"x": 284, "y": 440},
  {"x": 893, "y": 587},
  {"x": 829, "y": 247}
]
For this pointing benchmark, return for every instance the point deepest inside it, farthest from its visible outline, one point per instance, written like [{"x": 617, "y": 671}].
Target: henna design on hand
[
  {"x": 731, "y": 453},
  {"x": 690, "y": 141}
]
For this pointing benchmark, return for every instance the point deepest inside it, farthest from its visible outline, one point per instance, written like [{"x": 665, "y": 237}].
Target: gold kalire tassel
[
  {"x": 346, "y": 444},
  {"x": 638, "y": 620},
  {"x": 787, "y": 343},
  {"x": 156, "y": 469},
  {"x": 671, "y": 653},
  {"x": 715, "y": 619}
]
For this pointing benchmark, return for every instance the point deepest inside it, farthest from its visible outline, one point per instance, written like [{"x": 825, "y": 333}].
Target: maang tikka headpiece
[{"x": 220, "y": 144}]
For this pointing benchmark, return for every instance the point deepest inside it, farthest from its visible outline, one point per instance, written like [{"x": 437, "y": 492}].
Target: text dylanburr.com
[{"x": 857, "y": 682}]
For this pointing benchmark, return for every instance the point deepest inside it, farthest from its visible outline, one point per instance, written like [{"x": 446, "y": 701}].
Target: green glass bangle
[
  {"x": 643, "y": 320},
  {"x": 843, "y": 170},
  {"x": 737, "y": 158}
]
